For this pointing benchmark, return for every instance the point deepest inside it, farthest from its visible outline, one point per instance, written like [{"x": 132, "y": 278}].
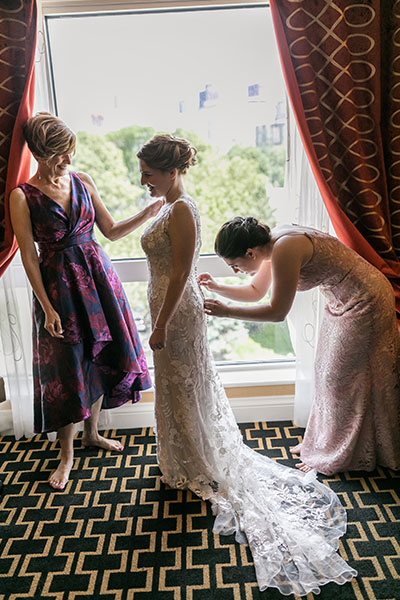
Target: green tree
[
  {"x": 222, "y": 185},
  {"x": 203, "y": 149},
  {"x": 224, "y": 335},
  {"x": 271, "y": 335},
  {"x": 129, "y": 139},
  {"x": 275, "y": 164},
  {"x": 226, "y": 187},
  {"x": 104, "y": 162},
  {"x": 270, "y": 160}
]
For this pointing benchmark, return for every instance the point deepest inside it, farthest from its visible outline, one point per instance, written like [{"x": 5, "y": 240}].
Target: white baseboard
[
  {"x": 270, "y": 408},
  {"x": 265, "y": 408},
  {"x": 133, "y": 416}
]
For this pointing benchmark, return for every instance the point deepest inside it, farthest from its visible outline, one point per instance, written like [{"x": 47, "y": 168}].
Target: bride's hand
[
  {"x": 157, "y": 339},
  {"x": 208, "y": 281},
  {"x": 154, "y": 207},
  {"x": 216, "y": 308}
]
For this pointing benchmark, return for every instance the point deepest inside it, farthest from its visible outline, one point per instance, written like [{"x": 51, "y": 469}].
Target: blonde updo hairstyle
[
  {"x": 48, "y": 136},
  {"x": 166, "y": 152}
]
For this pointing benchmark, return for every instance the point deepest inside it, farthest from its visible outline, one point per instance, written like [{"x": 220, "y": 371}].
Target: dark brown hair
[{"x": 238, "y": 235}]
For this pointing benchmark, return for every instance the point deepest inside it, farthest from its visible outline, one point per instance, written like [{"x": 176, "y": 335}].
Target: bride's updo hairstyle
[
  {"x": 238, "y": 235},
  {"x": 165, "y": 152},
  {"x": 48, "y": 136}
]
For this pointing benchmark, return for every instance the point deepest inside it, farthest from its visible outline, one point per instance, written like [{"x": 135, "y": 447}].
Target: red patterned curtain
[
  {"x": 17, "y": 50},
  {"x": 341, "y": 63}
]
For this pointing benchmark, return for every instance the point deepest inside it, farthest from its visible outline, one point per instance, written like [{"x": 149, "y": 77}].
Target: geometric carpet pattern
[{"x": 117, "y": 533}]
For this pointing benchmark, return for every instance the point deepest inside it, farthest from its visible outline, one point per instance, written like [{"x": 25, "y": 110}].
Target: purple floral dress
[{"x": 100, "y": 353}]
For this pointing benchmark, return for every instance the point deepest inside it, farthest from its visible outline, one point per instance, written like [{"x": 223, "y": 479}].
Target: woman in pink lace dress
[{"x": 355, "y": 416}]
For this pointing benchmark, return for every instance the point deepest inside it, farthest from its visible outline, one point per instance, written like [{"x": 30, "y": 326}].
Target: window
[{"x": 210, "y": 74}]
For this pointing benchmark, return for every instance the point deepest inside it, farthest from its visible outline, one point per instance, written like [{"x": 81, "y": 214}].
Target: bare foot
[
  {"x": 295, "y": 449},
  {"x": 303, "y": 467},
  {"x": 59, "y": 478},
  {"x": 101, "y": 442}
]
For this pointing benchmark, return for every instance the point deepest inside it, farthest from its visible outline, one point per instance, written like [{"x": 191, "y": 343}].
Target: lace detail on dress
[
  {"x": 355, "y": 416},
  {"x": 291, "y": 522}
]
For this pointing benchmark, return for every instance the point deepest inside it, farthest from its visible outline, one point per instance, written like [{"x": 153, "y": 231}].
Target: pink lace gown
[{"x": 355, "y": 417}]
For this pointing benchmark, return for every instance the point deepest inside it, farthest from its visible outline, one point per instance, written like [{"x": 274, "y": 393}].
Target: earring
[{"x": 39, "y": 176}]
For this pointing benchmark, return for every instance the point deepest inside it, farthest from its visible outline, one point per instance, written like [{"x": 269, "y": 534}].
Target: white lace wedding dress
[{"x": 291, "y": 522}]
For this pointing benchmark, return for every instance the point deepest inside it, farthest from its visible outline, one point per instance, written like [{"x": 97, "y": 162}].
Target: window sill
[
  {"x": 261, "y": 374},
  {"x": 263, "y": 380}
]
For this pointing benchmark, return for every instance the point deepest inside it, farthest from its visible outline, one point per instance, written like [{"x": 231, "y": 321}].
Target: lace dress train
[{"x": 291, "y": 522}]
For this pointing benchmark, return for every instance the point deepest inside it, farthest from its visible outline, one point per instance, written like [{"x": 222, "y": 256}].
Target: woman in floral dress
[{"x": 86, "y": 351}]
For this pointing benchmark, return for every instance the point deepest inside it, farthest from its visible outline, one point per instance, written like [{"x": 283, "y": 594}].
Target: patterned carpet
[{"x": 116, "y": 532}]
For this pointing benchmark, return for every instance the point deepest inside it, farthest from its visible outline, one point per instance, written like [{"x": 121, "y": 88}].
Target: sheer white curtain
[
  {"x": 305, "y": 316},
  {"x": 15, "y": 346}
]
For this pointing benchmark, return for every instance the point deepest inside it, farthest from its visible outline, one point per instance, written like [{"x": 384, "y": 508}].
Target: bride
[{"x": 291, "y": 522}]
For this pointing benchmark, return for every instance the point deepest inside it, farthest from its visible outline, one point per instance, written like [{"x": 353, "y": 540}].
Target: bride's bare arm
[
  {"x": 182, "y": 233},
  {"x": 251, "y": 292}
]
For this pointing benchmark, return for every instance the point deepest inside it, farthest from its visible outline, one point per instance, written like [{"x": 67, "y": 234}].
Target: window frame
[
  {"x": 68, "y": 7},
  {"x": 276, "y": 372}
]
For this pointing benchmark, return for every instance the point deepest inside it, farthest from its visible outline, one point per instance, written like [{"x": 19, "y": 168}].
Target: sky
[{"x": 135, "y": 69}]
